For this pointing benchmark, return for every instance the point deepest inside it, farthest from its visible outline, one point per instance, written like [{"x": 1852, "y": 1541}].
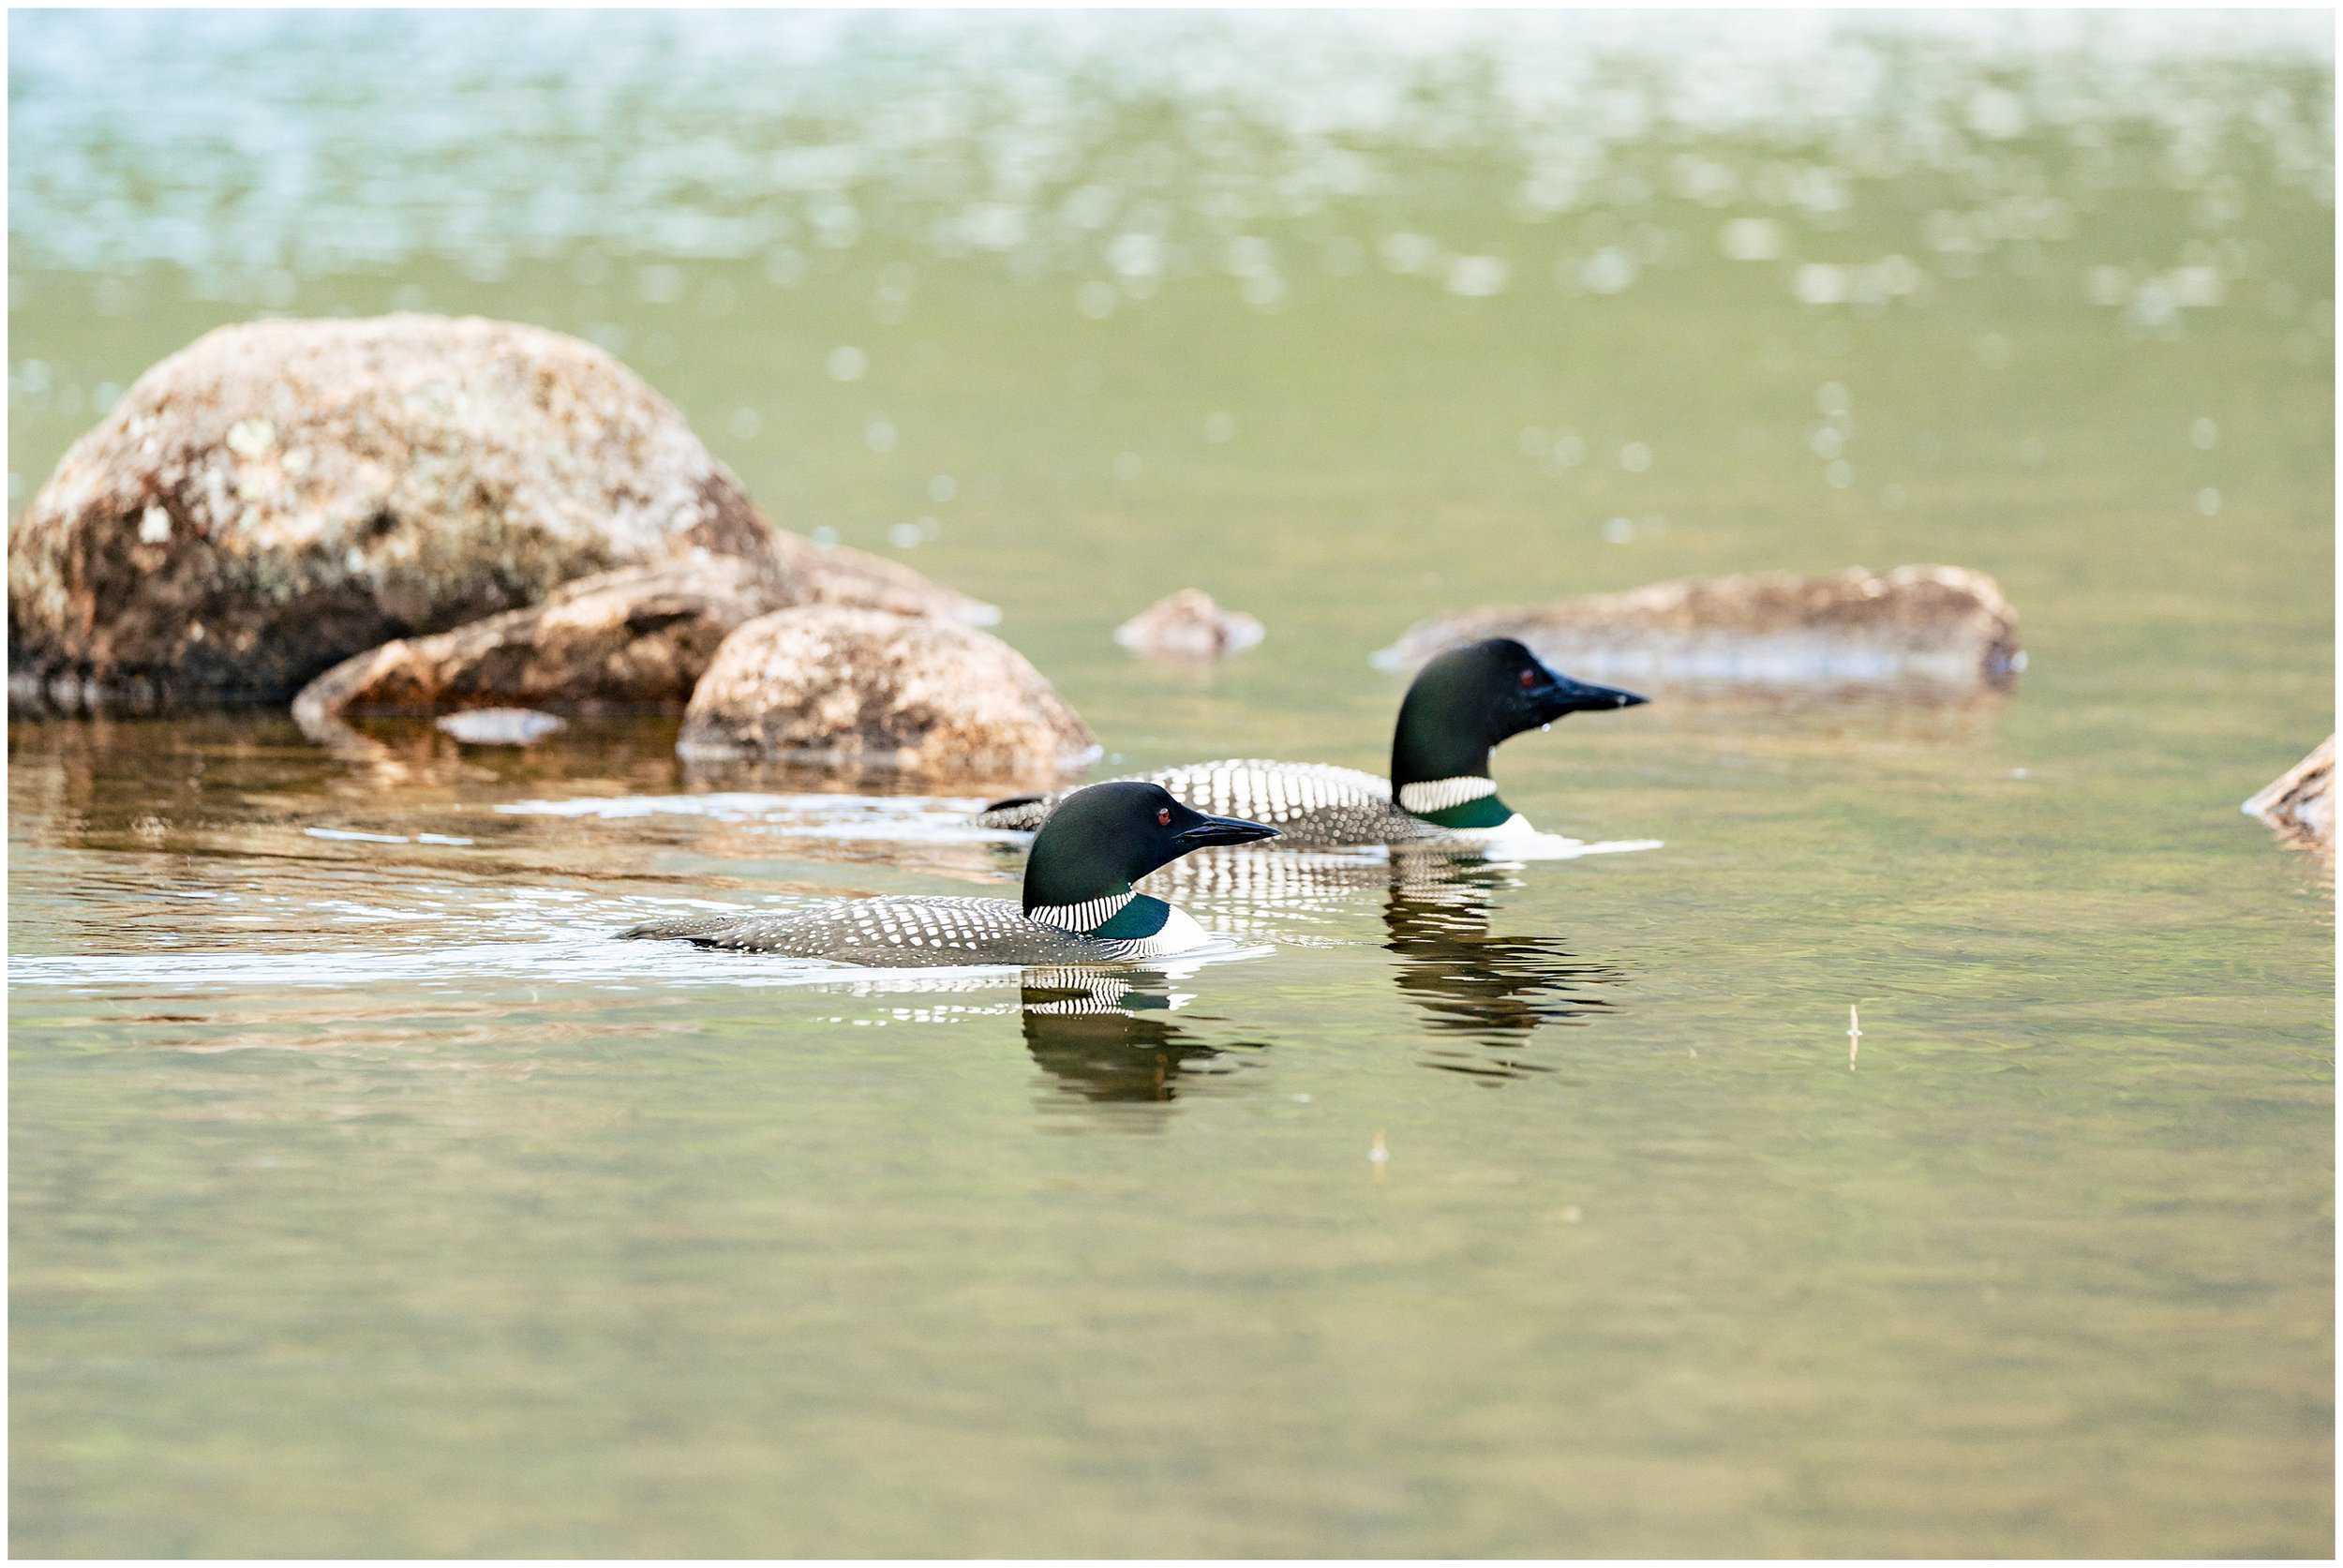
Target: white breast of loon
[{"x": 913, "y": 933}]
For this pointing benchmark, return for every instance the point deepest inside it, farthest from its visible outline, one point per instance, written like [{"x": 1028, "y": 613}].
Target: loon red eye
[
  {"x": 1163, "y": 816},
  {"x": 1529, "y": 678}
]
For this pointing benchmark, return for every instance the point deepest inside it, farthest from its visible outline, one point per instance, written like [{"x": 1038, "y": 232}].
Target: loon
[
  {"x": 1461, "y": 704},
  {"x": 1079, "y": 904}
]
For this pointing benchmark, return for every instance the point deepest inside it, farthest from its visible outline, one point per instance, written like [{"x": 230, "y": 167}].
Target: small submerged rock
[
  {"x": 855, "y": 687},
  {"x": 1190, "y": 625},
  {"x": 501, "y": 726},
  {"x": 2300, "y": 802},
  {"x": 281, "y": 494},
  {"x": 1943, "y": 627}
]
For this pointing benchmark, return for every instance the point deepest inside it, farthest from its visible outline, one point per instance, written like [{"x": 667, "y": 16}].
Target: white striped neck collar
[
  {"x": 1084, "y": 917},
  {"x": 1464, "y": 803},
  {"x": 1427, "y": 795}
]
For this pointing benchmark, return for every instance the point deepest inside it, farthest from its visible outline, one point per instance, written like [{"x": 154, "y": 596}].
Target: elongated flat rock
[
  {"x": 637, "y": 639},
  {"x": 1927, "y": 628},
  {"x": 2300, "y": 804},
  {"x": 640, "y": 638}
]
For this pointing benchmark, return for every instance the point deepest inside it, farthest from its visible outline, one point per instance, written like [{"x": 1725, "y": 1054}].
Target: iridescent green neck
[
  {"x": 1143, "y": 916},
  {"x": 1486, "y": 811}
]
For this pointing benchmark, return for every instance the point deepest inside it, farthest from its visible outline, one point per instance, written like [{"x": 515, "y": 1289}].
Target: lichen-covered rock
[
  {"x": 1926, "y": 626},
  {"x": 280, "y": 495},
  {"x": 857, "y": 687},
  {"x": 2300, "y": 802},
  {"x": 1190, "y": 625}
]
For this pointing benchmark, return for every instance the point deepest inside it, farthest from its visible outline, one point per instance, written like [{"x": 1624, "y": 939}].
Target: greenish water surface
[{"x": 365, "y": 1199}]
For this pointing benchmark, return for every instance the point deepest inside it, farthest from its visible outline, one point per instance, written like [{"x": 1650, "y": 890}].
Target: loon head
[
  {"x": 1470, "y": 699},
  {"x": 1102, "y": 838}
]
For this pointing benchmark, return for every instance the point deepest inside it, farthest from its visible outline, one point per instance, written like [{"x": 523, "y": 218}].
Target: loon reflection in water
[
  {"x": 1479, "y": 990},
  {"x": 1110, "y": 1038}
]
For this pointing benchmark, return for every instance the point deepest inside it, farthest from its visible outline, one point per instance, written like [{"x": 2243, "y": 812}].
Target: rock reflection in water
[
  {"x": 1109, "y": 1038},
  {"x": 1482, "y": 995}
]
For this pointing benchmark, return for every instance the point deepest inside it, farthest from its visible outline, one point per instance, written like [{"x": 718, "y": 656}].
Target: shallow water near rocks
[{"x": 367, "y": 1196}]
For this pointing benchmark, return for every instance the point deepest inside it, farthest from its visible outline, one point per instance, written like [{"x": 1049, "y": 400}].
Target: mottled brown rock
[
  {"x": 2300, "y": 802},
  {"x": 1918, "y": 626},
  {"x": 280, "y": 495},
  {"x": 1188, "y": 624},
  {"x": 860, "y": 688}
]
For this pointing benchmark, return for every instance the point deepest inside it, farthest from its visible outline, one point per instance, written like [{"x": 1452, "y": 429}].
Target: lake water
[{"x": 364, "y": 1198}]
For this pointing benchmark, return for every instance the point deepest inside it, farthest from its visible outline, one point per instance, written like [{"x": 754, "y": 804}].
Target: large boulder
[
  {"x": 280, "y": 495},
  {"x": 1926, "y": 626},
  {"x": 854, "y": 687},
  {"x": 2300, "y": 802}
]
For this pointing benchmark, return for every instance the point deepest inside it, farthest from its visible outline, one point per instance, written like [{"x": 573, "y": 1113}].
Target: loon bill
[
  {"x": 1460, "y": 705},
  {"x": 1078, "y": 905}
]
